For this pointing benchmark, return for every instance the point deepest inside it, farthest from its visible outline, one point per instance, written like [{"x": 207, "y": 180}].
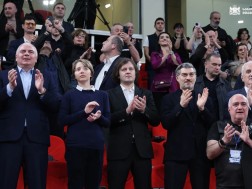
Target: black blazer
[
  {"x": 16, "y": 109},
  {"x": 187, "y": 127},
  {"x": 123, "y": 126},
  {"x": 108, "y": 81}
]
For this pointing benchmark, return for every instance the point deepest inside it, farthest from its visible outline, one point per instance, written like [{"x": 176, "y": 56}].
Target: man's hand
[
  {"x": 39, "y": 82},
  {"x": 185, "y": 98},
  {"x": 229, "y": 132},
  {"x": 90, "y": 107},
  {"x": 131, "y": 107},
  {"x": 140, "y": 103},
  {"x": 244, "y": 135},
  {"x": 202, "y": 99},
  {"x": 125, "y": 37},
  {"x": 12, "y": 77}
]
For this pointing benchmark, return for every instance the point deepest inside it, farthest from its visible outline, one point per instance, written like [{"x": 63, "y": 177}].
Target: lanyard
[{"x": 237, "y": 139}]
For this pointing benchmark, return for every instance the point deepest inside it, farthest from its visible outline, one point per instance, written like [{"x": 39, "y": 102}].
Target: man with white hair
[
  {"x": 229, "y": 145},
  {"x": 26, "y": 98},
  {"x": 246, "y": 77}
]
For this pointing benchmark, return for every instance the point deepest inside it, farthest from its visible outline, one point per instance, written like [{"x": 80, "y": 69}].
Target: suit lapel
[
  {"x": 97, "y": 71},
  {"x": 110, "y": 70},
  {"x": 121, "y": 97}
]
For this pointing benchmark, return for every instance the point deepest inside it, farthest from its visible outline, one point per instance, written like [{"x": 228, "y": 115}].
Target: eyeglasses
[
  {"x": 82, "y": 36},
  {"x": 30, "y": 24}
]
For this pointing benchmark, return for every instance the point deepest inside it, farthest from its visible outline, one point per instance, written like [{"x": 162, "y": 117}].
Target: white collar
[
  {"x": 124, "y": 88},
  {"x": 79, "y": 88}
]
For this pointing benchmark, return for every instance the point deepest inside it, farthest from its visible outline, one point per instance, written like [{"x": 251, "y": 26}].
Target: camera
[
  {"x": 197, "y": 24},
  {"x": 125, "y": 29}
]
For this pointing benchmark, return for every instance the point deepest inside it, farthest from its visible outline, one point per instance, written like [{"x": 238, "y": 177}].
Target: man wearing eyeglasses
[
  {"x": 29, "y": 27},
  {"x": 10, "y": 27},
  {"x": 187, "y": 116}
]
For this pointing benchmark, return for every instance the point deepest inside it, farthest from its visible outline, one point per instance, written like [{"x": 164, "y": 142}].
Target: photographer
[{"x": 229, "y": 144}]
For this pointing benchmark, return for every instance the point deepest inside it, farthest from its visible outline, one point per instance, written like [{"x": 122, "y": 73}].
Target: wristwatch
[{"x": 222, "y": 143}]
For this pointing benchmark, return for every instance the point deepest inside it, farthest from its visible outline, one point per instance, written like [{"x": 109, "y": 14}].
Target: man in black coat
[
  {"x": 217, "y": 86},
  {"x": 186, "y": 115},
  {"x": 129, "y": 144}
]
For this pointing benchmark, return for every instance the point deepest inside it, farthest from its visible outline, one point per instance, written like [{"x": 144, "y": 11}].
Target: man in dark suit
[
  {"x": 129, "y": 145},
  {"x": 186, "y": 115},
  {"x": 112, "y": 49},
  {"x": 26, "y": 97}
]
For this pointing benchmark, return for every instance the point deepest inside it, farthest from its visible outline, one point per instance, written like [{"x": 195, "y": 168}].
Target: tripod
[{"x": 86, "y": 21}]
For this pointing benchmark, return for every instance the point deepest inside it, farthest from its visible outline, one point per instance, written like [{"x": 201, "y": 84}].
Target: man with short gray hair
[{"x": 229, "y": 145}]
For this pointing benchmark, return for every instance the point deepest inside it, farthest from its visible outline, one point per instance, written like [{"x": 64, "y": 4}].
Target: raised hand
[
  {"x": 202, "y": 99},
  {"x": 132, "y": 106},
  {"x": 229, "y": 132},
  {"x": 12, "y": 77},
  {"x": 39, "y": 82},
  {"x": 185, "y": 98}
]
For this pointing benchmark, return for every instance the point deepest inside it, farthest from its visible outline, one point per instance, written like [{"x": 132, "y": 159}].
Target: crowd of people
[{"x": 199, "y": 89}]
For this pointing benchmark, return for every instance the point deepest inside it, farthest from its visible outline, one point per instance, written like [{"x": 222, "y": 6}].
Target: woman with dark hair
[
  {"x": 180, "y": 42},
  {"x": 78, "y": 49},
  {"x": 85, "y": 111},
  {"x": 164, "y": 62},
  {"x": 243, "y": 37}
]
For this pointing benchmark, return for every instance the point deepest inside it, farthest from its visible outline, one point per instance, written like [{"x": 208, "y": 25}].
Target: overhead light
[
  {"x": 48, "y": 2},
  {"x": 240, "y": 21},
  {"x": 107, "y": 5}
]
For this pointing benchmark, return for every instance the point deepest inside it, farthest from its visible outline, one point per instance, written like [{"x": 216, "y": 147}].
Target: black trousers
[
  {"x": 140, "y": 168},
  {"x": 84, "y": 167},
  {"x": 176, "y": 171},
  {"x": 32, "y": 156}
]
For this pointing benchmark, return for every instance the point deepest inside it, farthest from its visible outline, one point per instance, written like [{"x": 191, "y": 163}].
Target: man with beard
[
  {"x": 186, "y": 115},
  {"x": 223, "y": 37},
  {"x": 217, "y": 86}
]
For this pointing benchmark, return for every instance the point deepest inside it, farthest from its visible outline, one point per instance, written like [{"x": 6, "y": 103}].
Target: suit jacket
[
  {"x": 124, "y": 126},
  {"x": 13, "y": 48},
  {"x": 108, "y": 81},
  {"x": 16, "y": 109},
  {"x": 187, "y": 127}
]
